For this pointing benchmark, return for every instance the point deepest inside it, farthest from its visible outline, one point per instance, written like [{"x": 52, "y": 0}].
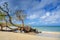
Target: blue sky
[{"x": 39, "y": 12}]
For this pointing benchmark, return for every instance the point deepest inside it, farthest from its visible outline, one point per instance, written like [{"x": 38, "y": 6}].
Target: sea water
[
  {"x": 50, "y": 30},
  {"x": 46, "y": 28}
]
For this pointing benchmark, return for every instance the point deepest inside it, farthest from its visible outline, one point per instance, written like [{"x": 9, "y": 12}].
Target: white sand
[{"x": 21, "y": 36}]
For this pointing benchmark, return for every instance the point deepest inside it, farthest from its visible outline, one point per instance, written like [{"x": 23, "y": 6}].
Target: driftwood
[
  {"x": 2, "y": 25},
  {"x": 28, "y": 29}
]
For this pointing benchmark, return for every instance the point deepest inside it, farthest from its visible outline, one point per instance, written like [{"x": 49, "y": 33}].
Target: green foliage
[{"x": 2, "y": 16}]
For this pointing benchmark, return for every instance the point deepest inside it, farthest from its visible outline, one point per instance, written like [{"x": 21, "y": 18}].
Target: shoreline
[{"x": 50, "y": 32}]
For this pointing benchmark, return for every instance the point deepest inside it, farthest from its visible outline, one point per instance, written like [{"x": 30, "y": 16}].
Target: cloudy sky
[{"x": 39, "y": 12}]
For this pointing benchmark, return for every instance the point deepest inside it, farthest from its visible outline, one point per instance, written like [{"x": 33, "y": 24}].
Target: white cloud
[
  {"x": 54, "y": 18},
  {"x": 32, "y": 16},
  {"x": 43, "y": 17},
  {"x": 46, "y": 15},
  {"x": 32, "y": 23},
  {"x": 35, "y": 14}
]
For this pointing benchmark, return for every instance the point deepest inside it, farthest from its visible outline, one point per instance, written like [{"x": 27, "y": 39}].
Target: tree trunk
[
  {"x": 22, "y": 23},
  {"x": 6, "y": 24},
  {"x": 1, "y": 27},
  {"x": 8, "y": 16}
]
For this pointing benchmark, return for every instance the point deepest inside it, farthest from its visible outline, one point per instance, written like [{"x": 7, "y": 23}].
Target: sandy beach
[{"x": 23, "y": 36}]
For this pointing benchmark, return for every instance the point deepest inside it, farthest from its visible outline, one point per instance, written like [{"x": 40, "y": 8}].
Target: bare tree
[
  {"x": 21, "y": 16},
  {"x": 7, "y": 12}
]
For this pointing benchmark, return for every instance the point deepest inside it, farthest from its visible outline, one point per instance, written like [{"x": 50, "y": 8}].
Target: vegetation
[
  {"x": 7, "y": 12},
  {"x": 2, "y": 16},
  {"x": 19, "y": 15}
]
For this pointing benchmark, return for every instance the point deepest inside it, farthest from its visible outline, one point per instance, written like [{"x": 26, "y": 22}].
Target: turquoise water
[{"x": 52, "y": 29}]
